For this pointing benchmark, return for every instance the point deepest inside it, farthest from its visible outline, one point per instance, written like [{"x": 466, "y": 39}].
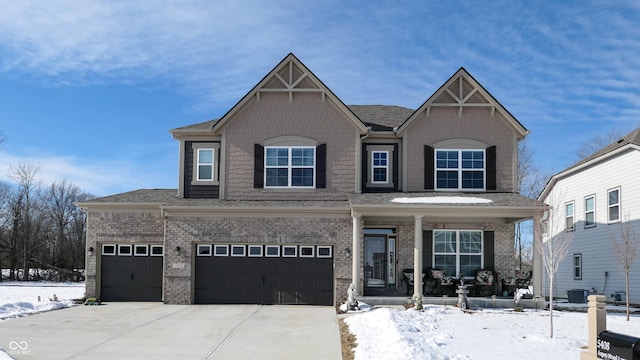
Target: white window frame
[
  {"x": 200, "y": 163},
  {"x": 109, "y": 253},
  {"x": 244, "y": 250},
  {"x": 266, "y": 251},
  {"x": 290, "y": 167},
  {"x": 460, "y": 170},
  {"x": 587, "y": 211},
  {"x": 203, "y": 246},
  {"x": 611, "y": 205},
  {"x": 323, "y": 247},
  {"x": 215, "y": 148},
  {"x": 458, "y": 252},
  {"x": 305, "y": 247},
  {"x": 125, "y": 246},
  {"x": 260, "y": 247},
  {"x": 374, "y": 166},
  {"x": 571, "y": 216},
  {"x": 161, "y": 247},
  {"x": 577, "y": 266},
  {"x": 145, "y": 247},
  {"x": 217, "y": 247},
  {"x": 284, "y": 250}
]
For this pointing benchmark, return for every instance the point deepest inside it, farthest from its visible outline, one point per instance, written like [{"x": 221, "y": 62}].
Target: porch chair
[
  {"x": 438, "y": 283},
  {"x": 485, "y": 283},
  {"x": 407, "y": 278}
]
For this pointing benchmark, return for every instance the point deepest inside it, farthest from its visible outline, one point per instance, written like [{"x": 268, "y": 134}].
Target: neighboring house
[
  {"x": 292, "y": 196},
  {"x": 589, "y": 202}
]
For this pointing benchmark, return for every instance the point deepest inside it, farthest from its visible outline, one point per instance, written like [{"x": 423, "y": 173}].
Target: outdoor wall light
[
  {"x": 347, "y": 252},
  {"x": 90, "y": 250},
  {"x": 177, "y": 248}
]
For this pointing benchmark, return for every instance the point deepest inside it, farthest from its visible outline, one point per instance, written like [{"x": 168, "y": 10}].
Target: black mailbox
[{"x": 614, "y": 346}]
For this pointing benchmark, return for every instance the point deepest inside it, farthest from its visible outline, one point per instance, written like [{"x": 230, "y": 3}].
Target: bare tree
[
  {"x": 625, "y": 246},
  {"x": 552, "y": 241},
  {"x": 599, "y": 142}
]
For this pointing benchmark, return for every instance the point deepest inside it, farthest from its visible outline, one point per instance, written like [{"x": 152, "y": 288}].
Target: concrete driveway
[{"x": 158, "y": 331}]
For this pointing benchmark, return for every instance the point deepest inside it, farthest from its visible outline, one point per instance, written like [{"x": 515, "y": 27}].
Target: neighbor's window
[
  {"x": 577, "y": 266},
  {"x": 590, "y": 211},
  {"x": 569, "y": 216},
  {"x": 614, "y": 205},
  {"x": 457, "y": 252},
  {"x": 290, "y": 166},
  {"x": 380, "y": 167},
  {"x": 460, "y": 169}
]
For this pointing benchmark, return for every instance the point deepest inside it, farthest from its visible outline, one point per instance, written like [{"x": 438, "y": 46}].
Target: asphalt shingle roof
[
  {"x": 631, "y": 138},
  {"x": 381, "y": 117}
]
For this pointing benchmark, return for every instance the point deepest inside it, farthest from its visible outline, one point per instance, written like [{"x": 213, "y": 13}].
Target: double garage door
[
  {"x": 263, "y": 274},
  {"x": 131, "y": 272}
]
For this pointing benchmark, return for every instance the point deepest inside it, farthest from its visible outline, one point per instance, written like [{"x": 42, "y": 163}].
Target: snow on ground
[
  {"x": 441, "y": 332},
  {"x": 21, "y": 298}
]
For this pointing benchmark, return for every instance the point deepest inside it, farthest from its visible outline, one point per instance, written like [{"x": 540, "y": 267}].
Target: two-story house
[
  {"x": 291, "y": 196},
  {"x": 593, "y": 204}
]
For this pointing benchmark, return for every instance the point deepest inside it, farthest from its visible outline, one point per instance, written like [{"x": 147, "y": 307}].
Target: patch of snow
[
  {"x": 441, "y": 200},
  {"x": 25, "y": 298},
  {"x": 361, "y": 307}
]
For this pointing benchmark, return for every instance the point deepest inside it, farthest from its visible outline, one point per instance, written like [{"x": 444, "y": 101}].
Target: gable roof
[
  {"x": 629, "y": 141},
  {"x": 297, "y": 78},
  {"x": 467, "y": 92}
]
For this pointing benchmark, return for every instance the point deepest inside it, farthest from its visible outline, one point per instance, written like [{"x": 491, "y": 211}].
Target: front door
[{"x": 379, "y": 262}]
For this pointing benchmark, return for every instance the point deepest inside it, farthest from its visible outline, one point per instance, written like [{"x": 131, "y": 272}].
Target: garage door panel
[{"x": 125, "y": 277}]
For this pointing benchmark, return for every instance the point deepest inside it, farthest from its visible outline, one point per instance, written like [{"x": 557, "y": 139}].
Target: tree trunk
[{"x": 551, "y": 307}]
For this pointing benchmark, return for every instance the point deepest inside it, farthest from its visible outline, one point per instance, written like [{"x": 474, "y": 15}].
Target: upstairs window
[
  {"x": 205, "y": 167},
  {"x": 460, "y": 169},
  {"x": 614, "y": 205},
  {"x": 380, "y": 167},
  {"x": 569, "y": 216},
  {"x": 290, "y": 166},
  {"x": 590, "y": 211}
]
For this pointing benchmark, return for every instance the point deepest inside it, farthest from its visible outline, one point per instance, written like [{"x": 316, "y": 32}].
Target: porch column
[
  {"x": 417, "y": 258},
  {"x": 355, "y": 254}
]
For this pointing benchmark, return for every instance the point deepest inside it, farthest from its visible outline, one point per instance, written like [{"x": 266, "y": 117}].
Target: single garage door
[
  {"x": 131, "y": 272},
  {"x": 264, "y": 274}
]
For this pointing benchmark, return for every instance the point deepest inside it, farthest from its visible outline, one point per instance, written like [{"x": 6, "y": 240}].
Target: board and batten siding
[{"x": 594, "y": 243}]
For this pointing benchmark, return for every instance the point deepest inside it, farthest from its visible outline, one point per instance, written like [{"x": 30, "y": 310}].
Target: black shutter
[
  {"x": 321, "y": 166},
  {"x": 428, "y": 168},
  {"x": 491, "y": 168},
  {"x": 396, "y": 178},
  {"x": 258, "y": 166},
  {"x": 489, "y": 249},
  {"x": 427, "y": 249}
]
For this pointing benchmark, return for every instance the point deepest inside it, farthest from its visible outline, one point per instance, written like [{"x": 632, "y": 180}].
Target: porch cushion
[
  {"x": 484, "y": 277},
  {"x": 440, "y": 275}
]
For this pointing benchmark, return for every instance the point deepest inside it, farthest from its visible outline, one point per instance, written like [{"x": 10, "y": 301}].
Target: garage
[
  {"x": 263, "y": 274},
  {"x": 131, "y": 272}
]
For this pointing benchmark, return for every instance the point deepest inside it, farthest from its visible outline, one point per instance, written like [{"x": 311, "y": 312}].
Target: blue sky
[{"x": 89, "y": 90}]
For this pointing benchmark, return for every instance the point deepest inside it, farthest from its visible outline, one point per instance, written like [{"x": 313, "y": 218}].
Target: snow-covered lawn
[
  {"x": 441, "y": 332},
  {"x": 24, "y": 298}
]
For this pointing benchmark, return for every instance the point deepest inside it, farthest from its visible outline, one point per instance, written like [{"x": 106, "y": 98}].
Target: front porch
[{"x": 500, "y": 302}]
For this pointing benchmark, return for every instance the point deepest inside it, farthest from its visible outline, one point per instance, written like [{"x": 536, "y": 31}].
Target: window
[
  {"x": 108, "y": 249},
  {"x": 290, "y": 166},
  {"x": 457, "y": 252},
  {"x": 205, "y": 170},
  {"x": 124, "y": 249},
  {"x": 306, "y": 251},
  {"x": 289, "y": 251},
  {"x": 255, "y": 250},
  {"x": 324, "y": 251},
  {"x": 460, "y": 169},
  {"x": 544, "y": 223},
  {"x": 204, "y": 250},
  {"x": 577, "y": 266},
  {"x": 569, "y": 216},
  {"x": 614, "y": 205},
  {"x": 380, "y": 167},
  {"x": 272, "y": 251},
  {"x": 221, "y": 250},
  {"x": 238, "y": 250},
  {"x": 157, "y": 250},
  {"x": 590, "y": 211},
  {"x": 141, "y": 250}
]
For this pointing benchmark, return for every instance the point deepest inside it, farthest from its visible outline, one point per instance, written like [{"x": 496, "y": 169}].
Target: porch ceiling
[{"x": 446, "y": 206}]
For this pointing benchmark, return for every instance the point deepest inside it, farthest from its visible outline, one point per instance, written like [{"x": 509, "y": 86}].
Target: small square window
[
  {"x": 108, "y": 249},
  {"x": 272, "y": 251},
  {"x": 289, "y": 251},
  {"x": 124, "y": 249},
  {"x": 157, "y": 250},
  {"x": 141, "y": 250},
  {"x": 221, "y": 250},
  {"x": 306, "y": 251},
  {"x": 204, "y": 250},
  {"x": 255, "y": 250},
  {"x": 324, "y": 251},
  {"x": 238, "y": 250}
]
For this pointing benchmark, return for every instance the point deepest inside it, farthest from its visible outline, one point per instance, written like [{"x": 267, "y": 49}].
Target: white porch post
[
  {"x": 417, "y": 258},
  {"x": 355, "y": 254}
]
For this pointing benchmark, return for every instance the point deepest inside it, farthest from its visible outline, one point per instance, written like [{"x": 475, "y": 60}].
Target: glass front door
[{"x": 379, "y": 261}]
